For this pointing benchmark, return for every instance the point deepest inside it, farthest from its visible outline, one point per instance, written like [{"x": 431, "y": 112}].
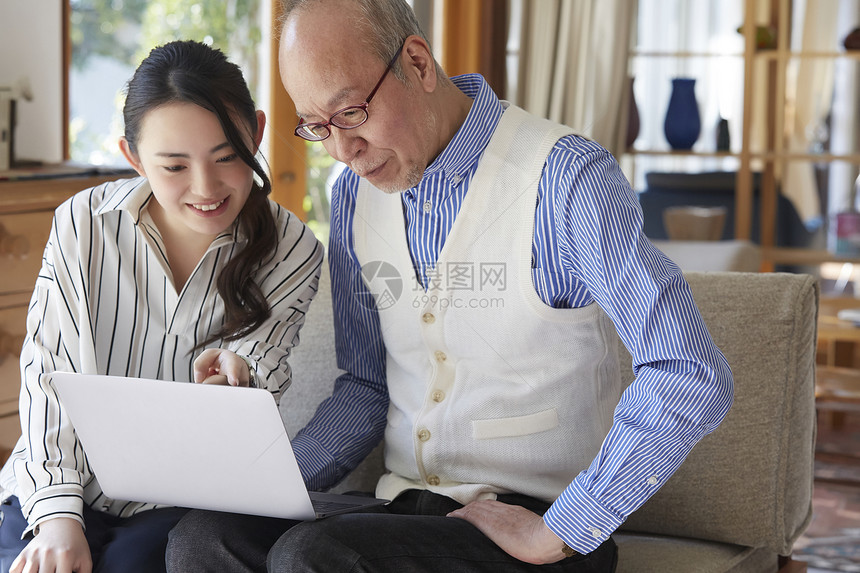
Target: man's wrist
[{"x": 568, "y": 550}]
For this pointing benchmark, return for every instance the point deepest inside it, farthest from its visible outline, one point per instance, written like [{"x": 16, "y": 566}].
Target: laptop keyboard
[{"x": 331, "y": 506}]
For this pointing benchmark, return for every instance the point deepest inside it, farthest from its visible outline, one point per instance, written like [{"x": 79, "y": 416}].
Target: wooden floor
[{"x": 836, "y": 499}]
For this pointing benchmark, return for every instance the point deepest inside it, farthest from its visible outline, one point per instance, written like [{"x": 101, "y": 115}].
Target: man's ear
[
  {"x": 418, "y": 63},
  {"x": 131, "y": 156}
]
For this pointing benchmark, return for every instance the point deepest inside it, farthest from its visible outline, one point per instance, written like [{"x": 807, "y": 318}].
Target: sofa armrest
[{"x": 750, "y": 482}]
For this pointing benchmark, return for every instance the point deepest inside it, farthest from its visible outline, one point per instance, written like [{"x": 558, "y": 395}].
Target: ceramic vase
[
  {"x": 683, "y": 124},
  {"x": 852, "y": 40},
  {"x": 632, "y": 116},
  {"x": 724, "y": 142}
]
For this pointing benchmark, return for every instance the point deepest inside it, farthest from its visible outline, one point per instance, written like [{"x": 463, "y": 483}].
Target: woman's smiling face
[{"x": 197, "y": 179}]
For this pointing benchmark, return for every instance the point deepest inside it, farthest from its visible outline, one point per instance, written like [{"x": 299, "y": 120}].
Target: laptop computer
[{"x": 192, "y": 445}]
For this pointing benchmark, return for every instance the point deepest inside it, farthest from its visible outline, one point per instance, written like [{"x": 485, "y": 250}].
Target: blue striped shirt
[{"x": 588, "y": 247}]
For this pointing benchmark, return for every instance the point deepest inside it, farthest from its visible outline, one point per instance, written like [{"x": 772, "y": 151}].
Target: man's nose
[{"x": 344, "y": 144}]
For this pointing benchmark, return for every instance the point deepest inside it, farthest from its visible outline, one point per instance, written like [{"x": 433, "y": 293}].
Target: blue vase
[{"x": 682, "y": 125}]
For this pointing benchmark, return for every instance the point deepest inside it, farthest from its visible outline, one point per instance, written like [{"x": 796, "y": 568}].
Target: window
[{"x": 110, "y": 37}]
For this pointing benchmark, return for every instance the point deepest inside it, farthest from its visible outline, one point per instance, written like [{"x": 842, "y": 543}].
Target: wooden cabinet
[
  {"x": 770, "y": 103},
  {"x": 26, "y": 213},
  {"x": 775, "y": 74}
]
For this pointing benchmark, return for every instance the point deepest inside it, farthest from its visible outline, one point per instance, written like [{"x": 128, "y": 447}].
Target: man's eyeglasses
[{"x": 346, "y": 118}]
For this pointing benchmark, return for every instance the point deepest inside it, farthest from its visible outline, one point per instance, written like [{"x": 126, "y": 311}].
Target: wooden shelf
[
  {"x": 764, "y": 54},
  {"x": 647, "y": 54},
  {"x": 786, "y": 54},
  {"x": 766, "y": 77},
  {"x": 763, "y": 155},
  {"x": 838, "y": 387},
  {"x": 677, "y": 153},
  {"x": 796, "y": 156},
  {"x": 36, "y": 193},
  {"x": 806, "y": 257}
]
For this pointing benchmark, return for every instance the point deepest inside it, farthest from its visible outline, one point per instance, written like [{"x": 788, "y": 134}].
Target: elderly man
[{"x": 509, "y": 442}]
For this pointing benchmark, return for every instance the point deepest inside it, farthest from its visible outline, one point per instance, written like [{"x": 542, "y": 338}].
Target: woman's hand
[
  {"x": 219, "y": 366},
  {"x": 60, "y": 547}
]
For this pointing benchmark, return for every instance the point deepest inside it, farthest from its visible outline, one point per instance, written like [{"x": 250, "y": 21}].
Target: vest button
[
  {"x": 441, "y": 356},
  {"x": 433, "y": 480},
  {"x": 423, "y": 434},
  {"x": 428, "y": 318},
  {"x": 438, "y": 395}
]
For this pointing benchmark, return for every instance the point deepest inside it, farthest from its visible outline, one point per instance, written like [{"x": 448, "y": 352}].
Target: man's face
[{"x": 325, "y": 66}]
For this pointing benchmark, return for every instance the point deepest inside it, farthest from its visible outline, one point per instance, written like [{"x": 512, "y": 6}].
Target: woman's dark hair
[{"x": 191, "y": 72}]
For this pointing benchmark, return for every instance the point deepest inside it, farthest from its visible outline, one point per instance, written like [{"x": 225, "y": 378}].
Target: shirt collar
[
  {"x": 130, "y": 195},
  {"x": 133, "y": 195},
  {"x": 474, "y": 135}
]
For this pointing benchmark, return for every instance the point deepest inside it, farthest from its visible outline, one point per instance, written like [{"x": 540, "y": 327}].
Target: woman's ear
[
  {"x": 261, "y": 127},
  {"x": 131, "y": 156}
]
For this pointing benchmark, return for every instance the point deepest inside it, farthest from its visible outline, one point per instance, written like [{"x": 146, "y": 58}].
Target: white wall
[{"x": 31, "y": 45}]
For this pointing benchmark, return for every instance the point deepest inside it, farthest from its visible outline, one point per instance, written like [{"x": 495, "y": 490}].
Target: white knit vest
[{"x": 492, "y": 391}]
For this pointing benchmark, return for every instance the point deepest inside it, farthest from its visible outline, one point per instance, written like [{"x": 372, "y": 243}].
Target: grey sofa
[{"x": 744, "y": 495}]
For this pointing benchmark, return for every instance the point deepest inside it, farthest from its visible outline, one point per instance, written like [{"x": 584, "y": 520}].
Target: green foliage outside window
[
  {"x": 317, "y": 200},
  {"x": 124, "y": 31}
]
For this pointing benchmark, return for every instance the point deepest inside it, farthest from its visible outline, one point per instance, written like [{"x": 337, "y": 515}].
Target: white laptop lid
[{"x": 189, "y": 445}]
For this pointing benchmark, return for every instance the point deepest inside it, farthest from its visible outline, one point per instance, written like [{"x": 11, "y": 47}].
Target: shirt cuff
[
  {"x": 580, "y": 519},
  {"x": 64, "y": 500},
  {"x": 318, "y": 467}
]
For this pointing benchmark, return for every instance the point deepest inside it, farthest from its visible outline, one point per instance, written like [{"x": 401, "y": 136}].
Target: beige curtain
[
  {"x": 811, "y": 97},
  {"x": 573, "y": 65}
]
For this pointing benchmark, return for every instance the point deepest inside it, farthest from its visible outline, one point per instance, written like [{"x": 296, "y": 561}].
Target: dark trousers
[
  {"x": 409, "y": 534},
  {"x": 118, "y": 544}
]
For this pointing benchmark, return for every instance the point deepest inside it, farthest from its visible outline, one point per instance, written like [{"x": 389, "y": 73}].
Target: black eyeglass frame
[{"x": 306, "y": 130}]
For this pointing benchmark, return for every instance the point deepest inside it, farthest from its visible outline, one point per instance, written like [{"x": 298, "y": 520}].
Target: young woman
[{"x": 139, "y": 277}]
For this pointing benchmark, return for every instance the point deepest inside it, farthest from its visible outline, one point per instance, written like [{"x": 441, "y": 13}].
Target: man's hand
[
  {"x": 219, "y": 366},
  {"x": 521, "y": 533},
  {"x": 60, "y": 547}
]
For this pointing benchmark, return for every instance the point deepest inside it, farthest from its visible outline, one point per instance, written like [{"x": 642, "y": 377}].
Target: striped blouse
[
  {"x": 588, "y": 247},
  {"x": 105, "y": 303}
]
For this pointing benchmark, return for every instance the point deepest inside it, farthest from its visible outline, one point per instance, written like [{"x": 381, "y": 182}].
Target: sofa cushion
[
  {"x": 658, "y": 554},
  {"x": 750, "y": 481}
]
